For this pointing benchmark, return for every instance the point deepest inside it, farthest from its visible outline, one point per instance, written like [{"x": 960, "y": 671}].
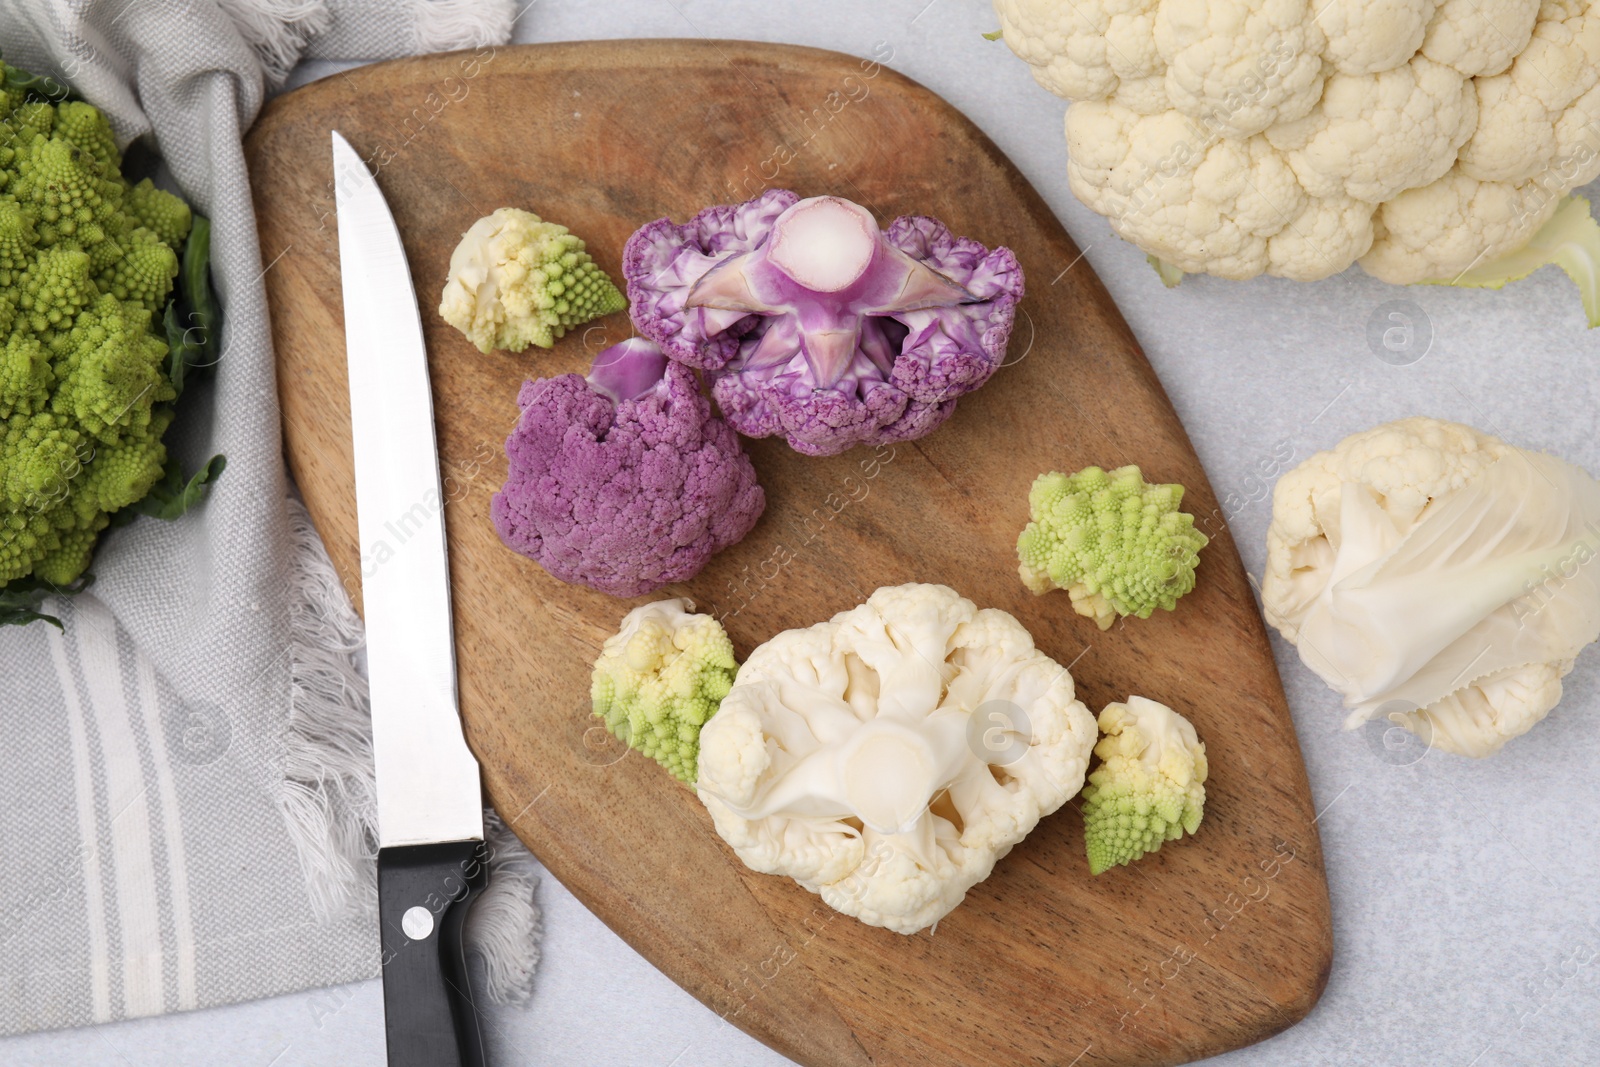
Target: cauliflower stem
[
  {"x": 815, "y": 325},
  {"x": 1438, "y": 577},
  {"x": 1570, "y": 240}
]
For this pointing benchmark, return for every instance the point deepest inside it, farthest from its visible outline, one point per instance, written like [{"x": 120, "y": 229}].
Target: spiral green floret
[
  {"x": 112, "y": 376},
  {"x": 517, "y": 280},
  {"x": 123, "y": 473},
  {"x": 144, "y": 272},
  {"x": 1117, "y": 545},
  {"x": 660, "y": 678},
  {"x": 18, "y": 239},
  {"x": 63, "y": 188},
  {"x": 1150, "y": 789},
  {"x": 74, "y": 549},
  {"x": 87, "y": 130},
  {"x": 25, "y": 376},
  {"x": 158, "y": 211},
  {"x": 87, "y": 269}
]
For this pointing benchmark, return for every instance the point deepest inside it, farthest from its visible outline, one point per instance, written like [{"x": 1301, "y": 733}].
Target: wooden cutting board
[{"x": 1211, "y": 944}]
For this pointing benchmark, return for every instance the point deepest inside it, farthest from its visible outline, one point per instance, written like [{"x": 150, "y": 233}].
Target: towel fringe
[
  {"x": 278, "y": 30},
  {"x": 328, "y": 796},
  {"x": 505, "y": 926},
  {"x": 448, "y": 25}
]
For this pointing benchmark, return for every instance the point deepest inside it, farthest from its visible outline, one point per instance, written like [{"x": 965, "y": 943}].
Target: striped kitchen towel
[{"x": 186, "y": 796}]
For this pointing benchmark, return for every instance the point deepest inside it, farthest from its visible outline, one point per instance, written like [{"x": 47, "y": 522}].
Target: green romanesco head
[
  {"x": 517, "y": 280},
  {"x": 660, "y": 678},
  {"x": 1116, "y": 544},
  {"x": 1150, "y": 787},
  {"x": 86, "y": 266}
]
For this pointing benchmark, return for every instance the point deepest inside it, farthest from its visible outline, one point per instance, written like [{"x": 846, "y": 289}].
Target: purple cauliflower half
[
  {"x": 815, "y": 324},
  {"x": 624, "y": 481}
]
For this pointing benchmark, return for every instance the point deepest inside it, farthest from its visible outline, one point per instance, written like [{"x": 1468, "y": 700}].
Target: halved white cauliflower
[
  {"x": 1296, "y": 137},
  {"x": 1435, "y": 575},
  {"x": 887, "y": 758}
]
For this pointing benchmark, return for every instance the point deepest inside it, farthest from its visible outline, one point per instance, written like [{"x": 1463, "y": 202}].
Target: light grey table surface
[{"x": 1466, "y": 918}]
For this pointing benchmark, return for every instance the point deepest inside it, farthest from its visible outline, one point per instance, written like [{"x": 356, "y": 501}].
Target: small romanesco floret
[
  {"x": 1117, "y": 545},
  {"x": 1150, "y": 787},
  {"x": 158, "y": 211},
  {"x": 517, "y": 280},
  {"x": 658, "y": 680}
]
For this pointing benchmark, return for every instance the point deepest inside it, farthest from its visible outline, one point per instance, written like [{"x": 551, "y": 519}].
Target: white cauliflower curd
[
  {"x": 887, "y": 758},
  {"x": 1422, "y": 138},
  {"x": 1438, "y": 576}
]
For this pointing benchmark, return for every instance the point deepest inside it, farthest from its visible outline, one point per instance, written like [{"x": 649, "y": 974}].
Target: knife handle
[{"x": 424, "y": 892}]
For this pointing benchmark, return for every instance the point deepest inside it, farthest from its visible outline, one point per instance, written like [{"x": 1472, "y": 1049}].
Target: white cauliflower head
[
  {"x": 1296, "y": 137},
  {"x": 887, "y": 758},
  {"x": 1434, "y": 574}
]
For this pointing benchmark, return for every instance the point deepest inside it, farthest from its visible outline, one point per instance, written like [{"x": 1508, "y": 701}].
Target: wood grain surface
[{"x": 1213, "y": 943}]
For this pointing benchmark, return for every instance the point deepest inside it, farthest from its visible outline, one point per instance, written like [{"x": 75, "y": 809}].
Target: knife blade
[{"x": 431, "y": 858}]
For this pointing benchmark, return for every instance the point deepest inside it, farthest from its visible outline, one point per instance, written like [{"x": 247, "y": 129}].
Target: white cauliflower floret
[
  {"x": 1366, "y": 37},
  {"x": 1240, "y": 65},
  {"x": 1374, "y": 135},
  {"x": 1225, "y": 207},
  {"x": 1083, "y": 51},
  {"x": 1435, "y": 575},
  {"x": 887, "y": 758},
  {"x": 1479, "y": 37},
  {"x": 1396, "y": 108},
  {"x": 1543, "y": 110}
]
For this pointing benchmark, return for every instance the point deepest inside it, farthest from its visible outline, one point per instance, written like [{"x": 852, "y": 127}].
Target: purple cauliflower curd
[
  {"x": 815, "y": 324},
  {"x": 624, "y": 481}
]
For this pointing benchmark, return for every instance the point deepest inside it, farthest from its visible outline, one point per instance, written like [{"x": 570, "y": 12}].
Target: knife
[{"x": 431, "y": 857}]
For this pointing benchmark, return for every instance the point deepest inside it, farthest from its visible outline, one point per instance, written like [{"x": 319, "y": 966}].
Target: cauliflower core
[
  {"x": 1295, "y": 137},
  {"x": 1438, "y": 576},
  {"x": 887, "y": 758}
]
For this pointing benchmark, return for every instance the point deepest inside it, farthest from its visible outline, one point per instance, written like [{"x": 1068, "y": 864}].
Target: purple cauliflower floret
[
  {"x": 624, "y": 481},
  {"x": 816, "y": 325}
]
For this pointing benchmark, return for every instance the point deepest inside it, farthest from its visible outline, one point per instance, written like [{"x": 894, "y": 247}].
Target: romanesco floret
[
  {"x": 1117, "y": 545},
  {"x": 83, "y": 127},
  {"x": 517, "y": 280},
  {"x": 86, "y": 267},
  {"x": 1150, "y": 787},
  {"x": 158, "y": 211},
  {"x": 25, "y": 376},
  {"x": 143, "y": 273},
  {"x": 660, "y": 678}
]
